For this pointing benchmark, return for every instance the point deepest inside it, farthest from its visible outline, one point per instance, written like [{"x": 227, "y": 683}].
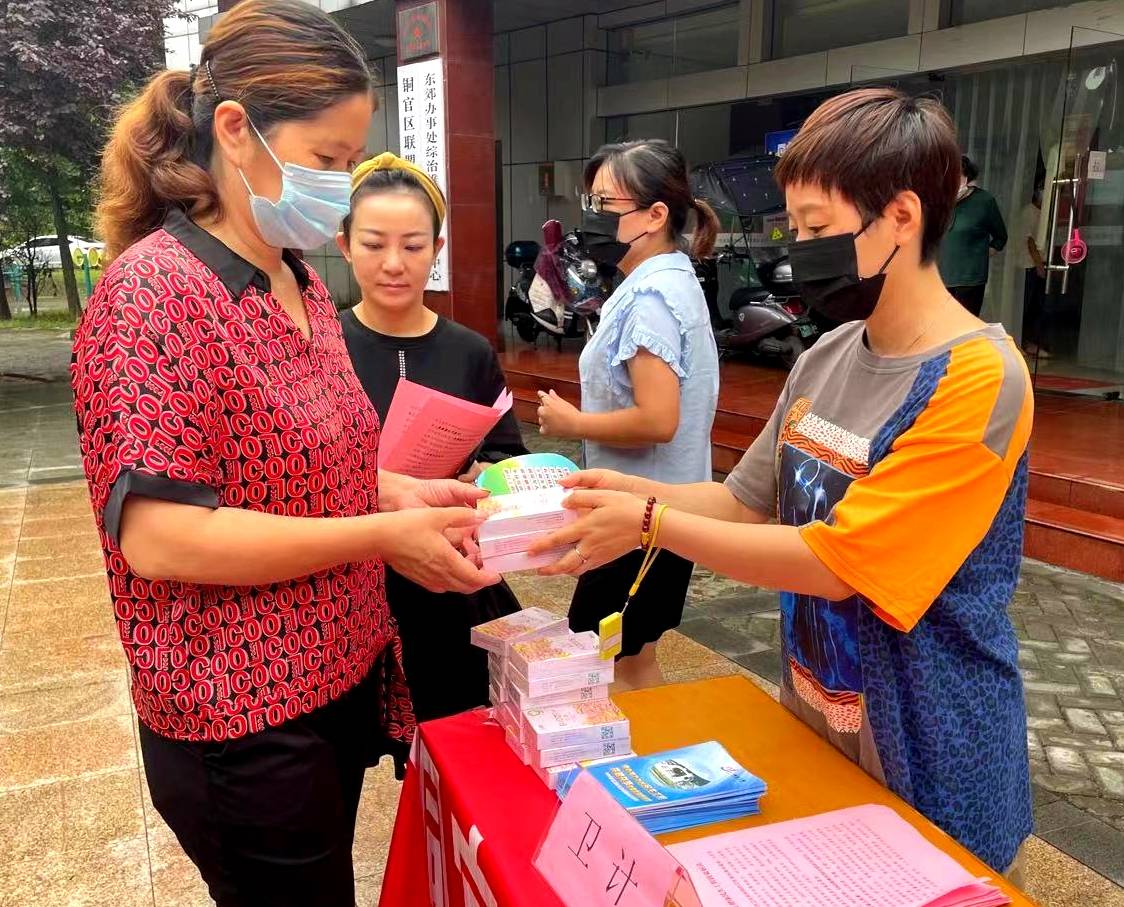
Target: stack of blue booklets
[{"x": 679, "y": 789}]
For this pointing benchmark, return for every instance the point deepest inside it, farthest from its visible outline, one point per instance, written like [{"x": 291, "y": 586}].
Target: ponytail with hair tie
[
  {"x": 149, "y": 164},
  {"x": 706, "y": 229},
  {"x": 654, "y": 170}
]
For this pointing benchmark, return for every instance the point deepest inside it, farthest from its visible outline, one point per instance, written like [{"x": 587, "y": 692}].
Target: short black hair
[{"x": 872, "y": 143}]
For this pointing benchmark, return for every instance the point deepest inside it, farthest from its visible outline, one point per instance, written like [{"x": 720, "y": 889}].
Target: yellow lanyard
[
  {"x": 610, "y": 630},
  {"x": 649, "y": 556}
]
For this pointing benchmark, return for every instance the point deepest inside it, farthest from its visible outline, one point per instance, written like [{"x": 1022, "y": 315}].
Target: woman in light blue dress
[{"x": 649, "y": 376}]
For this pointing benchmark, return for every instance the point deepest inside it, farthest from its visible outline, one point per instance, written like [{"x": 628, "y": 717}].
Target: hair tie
[{"x": 388, "y": 160}]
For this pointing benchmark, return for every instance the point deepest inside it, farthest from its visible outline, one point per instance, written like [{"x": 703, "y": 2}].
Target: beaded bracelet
[{"x": 646, "y": 526}]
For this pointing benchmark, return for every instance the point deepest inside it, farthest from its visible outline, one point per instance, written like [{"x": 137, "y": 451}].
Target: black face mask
[
  {"x": 826, "y": 271},
  {"x": 599, "y": 236}
]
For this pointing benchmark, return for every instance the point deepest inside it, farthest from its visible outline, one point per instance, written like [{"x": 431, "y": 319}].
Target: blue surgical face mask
[{"x": 311, "y": 206}]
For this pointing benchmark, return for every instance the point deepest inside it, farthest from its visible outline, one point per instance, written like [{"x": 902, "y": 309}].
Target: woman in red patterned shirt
[{"x": 231, "y": 455}]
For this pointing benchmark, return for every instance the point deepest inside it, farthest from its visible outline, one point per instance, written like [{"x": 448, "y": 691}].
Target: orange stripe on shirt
[{"x": 902, "y": 532}]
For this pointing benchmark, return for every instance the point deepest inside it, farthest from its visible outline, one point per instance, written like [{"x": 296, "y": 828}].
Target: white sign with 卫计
[{"x": 421, "y": 130}]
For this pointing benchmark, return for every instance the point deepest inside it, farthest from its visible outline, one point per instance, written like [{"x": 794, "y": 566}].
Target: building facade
[{"x": 1033, "y": 86}]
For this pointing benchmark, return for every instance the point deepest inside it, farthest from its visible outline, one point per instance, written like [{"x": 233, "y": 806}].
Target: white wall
[{"x": 181, "y": 35}]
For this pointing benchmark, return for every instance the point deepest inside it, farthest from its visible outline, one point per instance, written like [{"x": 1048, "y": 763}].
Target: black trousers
[
  {"x": 269, "y": 819},
  {"x": 971, "y": 298}
]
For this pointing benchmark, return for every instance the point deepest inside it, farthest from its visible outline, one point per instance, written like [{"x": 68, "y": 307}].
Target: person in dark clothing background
[
  {"x": 977, "y": 233},
  {"x": 391, "y": 238}
]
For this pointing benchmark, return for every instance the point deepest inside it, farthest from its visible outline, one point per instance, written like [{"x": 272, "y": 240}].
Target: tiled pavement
[
  {"x": 1074, "y": 677},
  {"x": 76, "y": 824}
]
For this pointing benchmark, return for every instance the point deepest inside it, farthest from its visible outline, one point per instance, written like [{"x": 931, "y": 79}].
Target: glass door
[{"x": 1073, "y": 303}]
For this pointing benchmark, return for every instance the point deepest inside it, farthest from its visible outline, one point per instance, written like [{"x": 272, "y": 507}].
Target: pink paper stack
[{"x": 866, "y": 855}]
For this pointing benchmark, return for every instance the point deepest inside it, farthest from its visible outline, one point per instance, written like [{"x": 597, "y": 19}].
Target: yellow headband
[{"x": 388, "y": 160}]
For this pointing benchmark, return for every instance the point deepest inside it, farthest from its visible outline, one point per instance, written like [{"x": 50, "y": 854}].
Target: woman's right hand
[
  {"x": 422, "y": 545},
  {"x": 599, "y": 480}
]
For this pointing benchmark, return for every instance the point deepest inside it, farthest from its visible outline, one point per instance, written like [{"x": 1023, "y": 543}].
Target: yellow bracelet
[{"x": 656, "y": 520}]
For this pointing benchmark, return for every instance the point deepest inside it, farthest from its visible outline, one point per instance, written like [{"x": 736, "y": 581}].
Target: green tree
[
  {"x": 65, "y": 66},
  {"x": 23, "y": 211}
]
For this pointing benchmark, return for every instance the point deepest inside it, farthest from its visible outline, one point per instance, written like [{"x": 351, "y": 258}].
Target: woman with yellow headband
[{"x": 391, "y": 238}]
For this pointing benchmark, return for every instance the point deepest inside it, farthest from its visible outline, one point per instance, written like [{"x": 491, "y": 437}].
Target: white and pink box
[
  {"x": 555, "y": 656},
  {"x": 517, "y": 746},
  {"x": 497, "y": 636},
  {"x": 514, "y": 522},
  {"x": 523, "y": 701},
  {"x": 575, "y": 733},
  {"x": 544, "y": 759},
  {"x": 579, "y": 724},
  {"x": 562, "y": 683},
  {"x": 510, "y": 719}
]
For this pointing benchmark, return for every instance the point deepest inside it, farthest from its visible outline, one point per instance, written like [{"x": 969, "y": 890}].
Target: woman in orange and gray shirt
[{"x": 895, "y": 464}]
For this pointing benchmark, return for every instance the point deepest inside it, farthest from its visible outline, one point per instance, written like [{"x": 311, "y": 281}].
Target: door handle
[
  {"x": 1073, "y": 237},
  {"x": 1055, "y": 266}
]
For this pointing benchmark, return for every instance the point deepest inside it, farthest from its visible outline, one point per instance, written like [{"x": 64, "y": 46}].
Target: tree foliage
[
  {"x": 65, "y": 67},
  {"x": 23, "y": 213}
]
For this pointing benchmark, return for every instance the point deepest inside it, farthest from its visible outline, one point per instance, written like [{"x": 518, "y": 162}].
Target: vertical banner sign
[{"x": 421, "y": 128}]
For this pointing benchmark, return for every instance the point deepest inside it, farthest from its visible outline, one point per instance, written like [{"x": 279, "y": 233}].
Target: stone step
[
  {"x": 1078, "y": 492},
  {"x": 1075, "y": 538}
]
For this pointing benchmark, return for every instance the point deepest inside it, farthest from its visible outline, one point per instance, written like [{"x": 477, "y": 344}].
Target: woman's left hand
[
  {"x": 446, "y": 493},
  {"x": 609, "y": 528},
  {"x": 406, "y": 493},
  {"x": 557, "y": 417}
]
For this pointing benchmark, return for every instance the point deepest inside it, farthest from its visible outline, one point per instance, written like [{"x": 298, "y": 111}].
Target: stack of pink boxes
[{"x": 550, "y": 692}]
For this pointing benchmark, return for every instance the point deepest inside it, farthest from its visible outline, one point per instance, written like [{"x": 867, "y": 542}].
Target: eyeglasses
[{"x": 596, "y": 203}]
